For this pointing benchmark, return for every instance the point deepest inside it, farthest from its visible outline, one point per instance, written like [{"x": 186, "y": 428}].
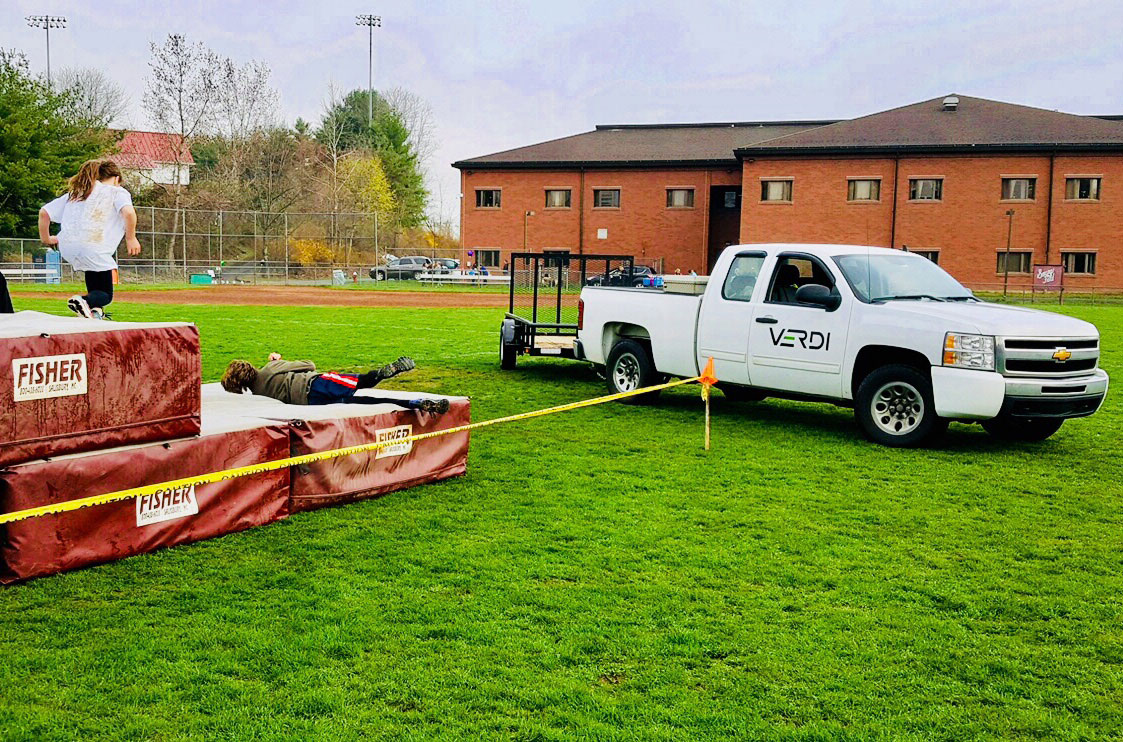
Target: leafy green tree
[
  {"x": 346, "y": 124},
  {"x": 368, "y": 185},
  {"x": 40, "y": 146}
]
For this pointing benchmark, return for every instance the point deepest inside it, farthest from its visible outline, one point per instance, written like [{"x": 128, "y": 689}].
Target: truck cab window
[
  {"x": 791, "y": 273},
  {"x": 741, "y": 279}
]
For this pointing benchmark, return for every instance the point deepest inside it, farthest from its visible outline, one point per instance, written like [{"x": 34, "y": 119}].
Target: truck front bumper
[
  {"x": 963, "y": 394},
  {"x": 1072, "y": 397}
]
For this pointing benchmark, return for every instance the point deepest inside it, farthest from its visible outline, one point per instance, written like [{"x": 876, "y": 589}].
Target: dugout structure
[{"x": 543, "y": 308}]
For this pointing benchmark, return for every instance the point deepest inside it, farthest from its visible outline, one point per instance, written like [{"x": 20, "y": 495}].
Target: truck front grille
[{"x": 1050, "y": 357}]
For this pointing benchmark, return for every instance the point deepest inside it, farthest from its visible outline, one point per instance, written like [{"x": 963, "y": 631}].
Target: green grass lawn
[{"x": 596, "y": 575}]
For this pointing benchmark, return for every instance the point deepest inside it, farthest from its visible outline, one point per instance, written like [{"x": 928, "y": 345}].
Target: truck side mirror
[{"x": 819, "y": 296}]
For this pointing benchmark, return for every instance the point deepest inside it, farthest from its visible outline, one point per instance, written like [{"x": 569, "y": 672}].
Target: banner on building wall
[{"x": 1048, "y": 277}]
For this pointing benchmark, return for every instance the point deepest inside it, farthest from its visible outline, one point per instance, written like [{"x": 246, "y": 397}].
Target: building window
[
  {"x": 729, "y": 199},
  {"x": 1079, "y": 262},
  {"x": 606, "y": 198},
  {"x": 558, "y": 198},
  {"x": 926, "y": 189},
  {"x": 1019, "y": 262},
  {"x": 1019, "y": 189},
  {"x": 487, "y": 198},
  {"x": 776, "y": 190},
  {"x": 863, "y": 189},
  {"x": 680, "y": 198},
  {"x": 489, "y": 258},
  {"x": 933, "y": 255},
  {"x": 1082, "y": 189}
]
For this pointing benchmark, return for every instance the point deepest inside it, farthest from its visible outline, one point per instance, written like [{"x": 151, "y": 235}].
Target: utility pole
[
  {"x": 526, "y": 224},
  {"x": 1006, "y": 263},
  {"x": 47, "y": 22},
  {"x": 371, "y": 22}
]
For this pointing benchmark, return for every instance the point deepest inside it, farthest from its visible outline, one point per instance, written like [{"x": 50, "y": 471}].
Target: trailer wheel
[
  {"x": 508, "y": 354},
  {"x": 629, "y": 368},
  {"x": 895, "y": 407}
]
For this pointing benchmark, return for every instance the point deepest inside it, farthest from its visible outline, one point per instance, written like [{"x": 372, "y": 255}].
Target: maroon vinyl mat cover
[
  {"x": 69, "y": 384},
  {"x": 54, "y": 543}
]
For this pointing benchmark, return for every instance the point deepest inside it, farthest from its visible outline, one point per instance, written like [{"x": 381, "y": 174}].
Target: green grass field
[{"x": 596, "y": 575}]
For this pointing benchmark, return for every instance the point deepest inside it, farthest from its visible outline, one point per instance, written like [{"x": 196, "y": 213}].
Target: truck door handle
[{"x": 766, "y": 320}]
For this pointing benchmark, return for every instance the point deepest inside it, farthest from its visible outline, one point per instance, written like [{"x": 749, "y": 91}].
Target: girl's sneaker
[
  {"x": 98, "y": 313},
  {"x": 400, "y": 366},
  {"x": 436, "y": 406},
  {"x": 79, "y": 306}
]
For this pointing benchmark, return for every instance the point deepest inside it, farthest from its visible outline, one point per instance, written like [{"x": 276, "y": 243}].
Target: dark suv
[{"x": 402, "y": 268}]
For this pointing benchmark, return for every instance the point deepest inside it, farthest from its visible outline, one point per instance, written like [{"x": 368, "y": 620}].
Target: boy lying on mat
[{"x": 298, "y": 382}]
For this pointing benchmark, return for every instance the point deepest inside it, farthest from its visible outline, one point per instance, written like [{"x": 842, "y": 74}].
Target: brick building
[{"x": 937, "y": 177}]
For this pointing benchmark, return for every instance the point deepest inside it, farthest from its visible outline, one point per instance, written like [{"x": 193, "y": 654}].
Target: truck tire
[
  {"x": 630, "y": 367},
  {"x": 894, "y": 407},
  {"x": 508, "y": 354},
  {"x": 1030, "y": 429},
  {"x": 736, "y": 393}
]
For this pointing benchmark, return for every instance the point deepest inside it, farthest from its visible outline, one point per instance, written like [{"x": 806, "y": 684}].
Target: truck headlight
[{"x": 969, "y": 351}]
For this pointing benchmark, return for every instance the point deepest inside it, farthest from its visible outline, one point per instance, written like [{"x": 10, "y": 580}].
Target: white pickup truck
[{"x": 885, "y": 331}]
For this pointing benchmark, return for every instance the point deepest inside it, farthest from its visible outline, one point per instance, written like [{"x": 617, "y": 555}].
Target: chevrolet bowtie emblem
[{"x": 1062, "y": 355}]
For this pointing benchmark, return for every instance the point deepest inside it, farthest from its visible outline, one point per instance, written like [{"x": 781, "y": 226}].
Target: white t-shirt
[{"x": 91, "y": 229}]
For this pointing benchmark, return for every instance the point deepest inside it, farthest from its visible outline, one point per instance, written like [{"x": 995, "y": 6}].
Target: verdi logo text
[{"x": 792, "y": 338}]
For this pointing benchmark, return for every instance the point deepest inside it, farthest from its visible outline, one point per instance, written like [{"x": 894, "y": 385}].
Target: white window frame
[
  {"x": 1002, "y": 188},
  {"x": 1099, "y": 188},
  {"x": 550, "y": 189},
  {"x": 1029, "y": 264}
]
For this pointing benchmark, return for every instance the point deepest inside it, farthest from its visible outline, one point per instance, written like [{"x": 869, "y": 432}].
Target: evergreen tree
[
  {"x": 40, "y": 146},
  {"x": 389, "y": 138}
]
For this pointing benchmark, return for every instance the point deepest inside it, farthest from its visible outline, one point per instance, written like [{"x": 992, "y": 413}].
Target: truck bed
[{"x": 663, "y": 318}]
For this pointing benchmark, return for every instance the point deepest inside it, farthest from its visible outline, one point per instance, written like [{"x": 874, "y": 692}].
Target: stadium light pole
[
  {"x": 47, "y": 22},
  {"x": 371, "y": 22}
]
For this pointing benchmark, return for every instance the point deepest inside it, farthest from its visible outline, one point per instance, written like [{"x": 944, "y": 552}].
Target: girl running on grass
[{"x": 95, "y": 213}]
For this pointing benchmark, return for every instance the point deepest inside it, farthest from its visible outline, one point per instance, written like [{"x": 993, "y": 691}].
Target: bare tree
[
  {"x": 13, "y": 59},
  {"x": 417, "y": 115},
  {"x": 93, "y": 97},
  {"x": 247, "y": 103},
  {"x": 181, "y": 96}
]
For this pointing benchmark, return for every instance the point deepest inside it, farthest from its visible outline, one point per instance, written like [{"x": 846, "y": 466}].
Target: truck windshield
[{"x": 881, "y": 277}]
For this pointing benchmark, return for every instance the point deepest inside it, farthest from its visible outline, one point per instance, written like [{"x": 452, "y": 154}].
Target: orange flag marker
[{"x": 708, "y": 380}]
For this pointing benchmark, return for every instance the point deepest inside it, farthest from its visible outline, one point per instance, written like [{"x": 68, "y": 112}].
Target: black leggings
[
  {"x": 5, "y": 298},
  {"x": 99, "y": 288}
]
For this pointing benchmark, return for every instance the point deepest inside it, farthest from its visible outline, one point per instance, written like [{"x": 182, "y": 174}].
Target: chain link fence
[{"x": 238, "y": 247}]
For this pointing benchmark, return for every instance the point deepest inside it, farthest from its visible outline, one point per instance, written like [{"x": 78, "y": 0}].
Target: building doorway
[{"x": 725, "y": 221}]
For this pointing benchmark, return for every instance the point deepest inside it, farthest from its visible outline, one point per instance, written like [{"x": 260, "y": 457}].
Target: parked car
[
  {"x": 445, "y": 265},
  {"x": 402, "y": 268},
  {"x": 621, "y": 277},
  {"x": 886, "y": 332}
]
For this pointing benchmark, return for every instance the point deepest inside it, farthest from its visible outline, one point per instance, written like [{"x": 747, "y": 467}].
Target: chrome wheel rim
[
  {"x": 625, "y": 374},
  {"x": 897, "y": 408}
]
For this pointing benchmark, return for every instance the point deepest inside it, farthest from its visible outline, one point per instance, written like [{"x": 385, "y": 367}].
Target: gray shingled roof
[
  {"x": 977, "y": 124},
  {"x": 639, "y": 145}
]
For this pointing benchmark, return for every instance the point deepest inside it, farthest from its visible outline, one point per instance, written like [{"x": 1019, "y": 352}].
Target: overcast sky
[{"x": 506, "y": 74}]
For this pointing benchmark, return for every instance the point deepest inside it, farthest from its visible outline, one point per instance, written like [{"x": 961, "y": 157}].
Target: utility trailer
[{"x": 543, "y": 311}]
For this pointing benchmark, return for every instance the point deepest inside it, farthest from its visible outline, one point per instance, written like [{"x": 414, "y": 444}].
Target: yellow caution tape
[{"x": 245, "y": 471}]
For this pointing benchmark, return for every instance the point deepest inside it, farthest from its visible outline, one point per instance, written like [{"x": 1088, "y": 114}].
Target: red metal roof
[{"x": 143, "y": 150}]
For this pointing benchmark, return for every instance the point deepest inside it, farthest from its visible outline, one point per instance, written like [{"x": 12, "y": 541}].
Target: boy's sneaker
[
  {"x": 79, "y": 306},
  {"x": 436, "y": 406},
  {"x": 400, "y": 366}
]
